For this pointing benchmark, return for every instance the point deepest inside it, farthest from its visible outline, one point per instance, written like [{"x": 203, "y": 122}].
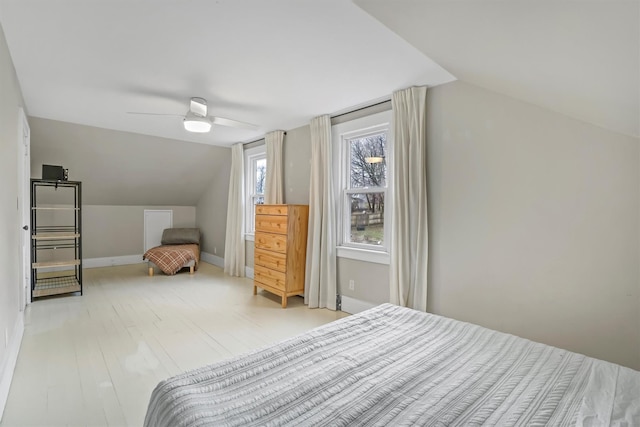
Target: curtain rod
[
  {"x": 256, "y": 140},
  {"x": 361, "y": 108},
  {"x": 333, "y": 117}
]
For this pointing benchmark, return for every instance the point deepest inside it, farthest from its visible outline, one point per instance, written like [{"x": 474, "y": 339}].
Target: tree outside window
[
  {"x": 367, "y": 188},
  {"x": 261, "y": 175},
  {"x": 255, "y": 181}
]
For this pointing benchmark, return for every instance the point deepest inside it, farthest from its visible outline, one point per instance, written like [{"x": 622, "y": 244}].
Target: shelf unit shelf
[
  {"x": 56, "y": 285},
  {"x": 37, "y": 265},
  {"x": 56, "y": 239},
  {"x": 53, "y": 209},
  {"x": 55, "y": 236}
]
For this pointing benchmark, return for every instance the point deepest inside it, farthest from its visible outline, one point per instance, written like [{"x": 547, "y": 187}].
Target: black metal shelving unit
[{"x": 56, "y": 238}]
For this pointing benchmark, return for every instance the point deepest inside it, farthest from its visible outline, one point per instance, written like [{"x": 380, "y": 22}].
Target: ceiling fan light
[{"x": 197, "y": 124}]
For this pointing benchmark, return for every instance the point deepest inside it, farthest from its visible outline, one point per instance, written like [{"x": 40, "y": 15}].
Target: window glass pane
[
  {"x": 255, "y": 181},
  {"x": 368, "y": 165},
  {"x": 367, "y": 218},
  {"x": 261, "y": 174}
]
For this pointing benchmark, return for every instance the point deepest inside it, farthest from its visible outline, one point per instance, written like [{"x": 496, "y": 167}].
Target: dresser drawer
[
  {"x": 271, "y": 224},
  {"x": 271, "y": 209},
  {"x": 273, "y": 278},
  {"x": 271, "y": 242},
  {"x": 270, "y": 259}
]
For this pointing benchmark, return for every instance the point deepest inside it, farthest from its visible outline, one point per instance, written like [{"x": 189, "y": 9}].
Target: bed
[
  {"x": 395, "y": 366},
  {"x": 180, "y": 248}
]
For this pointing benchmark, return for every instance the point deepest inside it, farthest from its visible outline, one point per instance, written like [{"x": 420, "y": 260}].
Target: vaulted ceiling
[
  {"x": 579, "y": 58},
  {"x": 278, "y": 63},
  {"x": 275, "y": 63}
]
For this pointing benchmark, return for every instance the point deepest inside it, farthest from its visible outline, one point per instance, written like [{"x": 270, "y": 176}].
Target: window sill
[
  {"x": 376, "y": 257},
  {"x": 250, "y": 237}
]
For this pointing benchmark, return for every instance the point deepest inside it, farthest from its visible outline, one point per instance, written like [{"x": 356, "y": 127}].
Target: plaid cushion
[{"x": 170, "y": 259}]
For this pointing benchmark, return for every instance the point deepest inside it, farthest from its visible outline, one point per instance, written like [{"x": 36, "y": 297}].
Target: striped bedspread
[{"x": 391, "y": 366}]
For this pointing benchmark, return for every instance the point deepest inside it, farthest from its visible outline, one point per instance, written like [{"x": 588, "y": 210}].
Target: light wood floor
[{"x": 94, "y": 360}]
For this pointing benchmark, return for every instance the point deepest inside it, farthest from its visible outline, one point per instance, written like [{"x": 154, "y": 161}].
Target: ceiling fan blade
[
  {"x": 232, "y": 123},
  {"x": 155, "y": 114}
]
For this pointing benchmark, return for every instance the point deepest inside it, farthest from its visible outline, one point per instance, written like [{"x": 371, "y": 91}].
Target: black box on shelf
[{"x": 55, "y": 173}]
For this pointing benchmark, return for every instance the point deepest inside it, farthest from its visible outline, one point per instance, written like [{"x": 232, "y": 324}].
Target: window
[
  {"x": 366, "y": 189},
  {"x": 364, "y": 148},
  {"x": 255, "y": 177}
]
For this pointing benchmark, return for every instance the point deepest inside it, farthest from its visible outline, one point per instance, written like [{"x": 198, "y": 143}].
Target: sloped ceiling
[
  {"x": 579, "y": 58},
  {"x": 275, "y": 63},
  {"x": 123, "y": 168},
  {"x": 281, "y": 62}
]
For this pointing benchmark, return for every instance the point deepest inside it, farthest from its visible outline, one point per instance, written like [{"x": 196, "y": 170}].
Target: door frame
[{"x": 24, "y": 207}]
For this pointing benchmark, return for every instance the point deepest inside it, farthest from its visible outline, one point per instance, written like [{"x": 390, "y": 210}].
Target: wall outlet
[
  {"x": 215, "y": 250},
  {"x": 352, "y": 285}
]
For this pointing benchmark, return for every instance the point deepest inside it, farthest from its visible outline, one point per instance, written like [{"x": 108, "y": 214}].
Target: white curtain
[
  {"x": 409, "y": 234},
  {"x": 320, "y": 279},
  {"x": 234, "y": 240},
  {"x": 273, "y": 192}
]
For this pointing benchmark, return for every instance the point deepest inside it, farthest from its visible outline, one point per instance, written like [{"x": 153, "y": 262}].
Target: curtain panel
[
  {"x": 320, "y": 278},
  {"x": 409, "y": 233},
  {"x": 234, "y": 240},
  {"x": 273, "y": 193}
]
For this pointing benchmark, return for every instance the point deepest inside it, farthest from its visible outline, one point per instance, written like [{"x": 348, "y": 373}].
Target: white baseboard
[
  {"x": 9, "y": 361},
  {"x": 112, "y": 261},
  {"x": 353, "y": 306},
  {"x": 219, "y": 261},
  {"x": 212, "y": 259}
]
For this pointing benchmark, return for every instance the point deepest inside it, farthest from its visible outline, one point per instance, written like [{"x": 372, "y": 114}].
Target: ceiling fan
[{"x": 197, "y": 120}]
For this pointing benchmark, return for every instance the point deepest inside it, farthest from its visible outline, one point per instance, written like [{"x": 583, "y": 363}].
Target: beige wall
[
  {"x": 371, "y": 282},
  {"x": 211, "y": 210},
  {"x": 533, "y": 223},
  {"x": 123, "y": 168},
  {"x": 111, "y": 231},
  {"x": 123, "y": 173},
  {"x": 10, "y": 101}
]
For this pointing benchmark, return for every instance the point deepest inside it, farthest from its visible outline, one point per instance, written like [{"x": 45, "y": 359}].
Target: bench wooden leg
[
  {"x": 150, "y": 271},
  {"x": 191, "y": 269},
  {"x": 255, "y": 290}
]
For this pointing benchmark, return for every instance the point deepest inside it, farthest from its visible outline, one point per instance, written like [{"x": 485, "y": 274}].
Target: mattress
[{"x": 395, "y": 366}]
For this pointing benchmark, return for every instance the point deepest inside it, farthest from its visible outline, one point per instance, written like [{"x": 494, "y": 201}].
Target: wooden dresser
[{"x": 280, "y": 249}]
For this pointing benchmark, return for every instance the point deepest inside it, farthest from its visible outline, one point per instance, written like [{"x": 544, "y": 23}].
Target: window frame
[
  {"x": 341, "y": 135},
  {"x": 251, "y": 157}
]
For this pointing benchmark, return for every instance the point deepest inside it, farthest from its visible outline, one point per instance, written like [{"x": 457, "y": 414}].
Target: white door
[
  {"x": 24, "y": 207},
  {"x": 155, "y": 221}
]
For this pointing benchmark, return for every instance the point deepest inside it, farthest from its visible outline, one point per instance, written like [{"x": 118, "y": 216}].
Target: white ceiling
[
  {"x": 275, "y": 63},
  {"x": 579, "y": 58}
]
